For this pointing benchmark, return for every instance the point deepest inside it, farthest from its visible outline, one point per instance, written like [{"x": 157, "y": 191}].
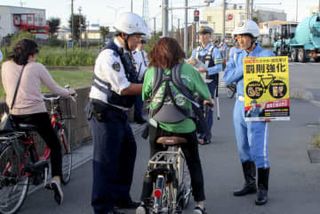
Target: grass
[
  {"x": 75, "y": 79},
  {"x": 316, "y": 140}
]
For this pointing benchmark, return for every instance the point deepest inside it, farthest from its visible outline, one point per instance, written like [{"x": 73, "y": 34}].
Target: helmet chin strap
[
  {"x": 253, "y": 41},
  {"x": 125, "y": 37}
]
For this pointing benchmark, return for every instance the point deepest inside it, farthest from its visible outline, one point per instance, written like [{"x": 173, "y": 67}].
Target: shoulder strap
[
  {"x": 177, "y": 81},
  {"x": 157, "y": 79},
  {"x": 17, "y": 87}
]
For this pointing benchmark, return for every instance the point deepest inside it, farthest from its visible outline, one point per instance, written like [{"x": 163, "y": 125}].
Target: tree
[
  {"x": 104, "y": 31},
  {"x": 54, "y": 24},
  {"x": 79, "y": 25}
]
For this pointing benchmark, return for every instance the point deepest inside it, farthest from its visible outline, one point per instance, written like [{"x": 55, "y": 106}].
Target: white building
[
  {"x": 234, "y": 15},
  {"x": 14, "y": 19}
]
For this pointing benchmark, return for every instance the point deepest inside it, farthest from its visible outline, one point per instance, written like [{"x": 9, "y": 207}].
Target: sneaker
[
  {"x": 58, "y": 194},
  {"x": 199, "y": 210},
  {"x": 141, "y": 210}
]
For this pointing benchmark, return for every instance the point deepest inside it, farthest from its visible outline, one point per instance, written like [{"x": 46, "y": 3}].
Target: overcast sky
[{"x": 103, "y": 12}]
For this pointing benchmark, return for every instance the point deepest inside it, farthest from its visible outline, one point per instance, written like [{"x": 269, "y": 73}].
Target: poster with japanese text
[{"x": 266, "y": 88}]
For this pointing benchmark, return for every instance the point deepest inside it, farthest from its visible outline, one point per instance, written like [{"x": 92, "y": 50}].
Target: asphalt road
[{"x": 294, "y": 181}]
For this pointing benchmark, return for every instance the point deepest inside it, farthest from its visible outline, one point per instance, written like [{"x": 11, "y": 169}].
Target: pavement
[{"x": 294, "y": 181}]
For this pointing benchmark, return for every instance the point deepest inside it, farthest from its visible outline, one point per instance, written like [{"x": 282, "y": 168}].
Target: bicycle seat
[{"x": 171, "y": 140}]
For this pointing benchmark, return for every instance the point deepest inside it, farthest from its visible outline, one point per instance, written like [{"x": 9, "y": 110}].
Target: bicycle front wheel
[
  {"x": 66, "y": 155},
  {"x": 14, "y": 182}
]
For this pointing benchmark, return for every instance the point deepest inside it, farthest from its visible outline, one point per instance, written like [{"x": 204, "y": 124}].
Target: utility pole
[
  {"x": 154, "y": 25},
  {"x": 185, "y": 33},
  {"x": 296, "y": 10},
  {"x": 72, "y": 23},
  {"x": 248, "y": 9},
  {"x": 164, "y": 17},
  {"x": 131, "y": 6},
  {"x": 224, "y": 19},
  {"x": 79, "y": 9}
]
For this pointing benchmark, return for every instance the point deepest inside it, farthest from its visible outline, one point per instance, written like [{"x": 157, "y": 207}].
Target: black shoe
[
  {"x": 247, "y": 189},
  {"x": 127, "y": 204},
  {"x": 140, "y": 120},
  {"x": 204, "y": 141},
  {"x": 262, "y": 196},
  {"x": 114, "y": 211}
]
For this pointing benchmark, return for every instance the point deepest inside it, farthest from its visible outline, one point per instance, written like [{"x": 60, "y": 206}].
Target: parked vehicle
[{"x": 302, "y": 45}]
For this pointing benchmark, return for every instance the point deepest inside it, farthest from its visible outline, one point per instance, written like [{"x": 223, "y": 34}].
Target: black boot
[
  {"x": 249, "y": 172},
  {"x": 263, "y": 180}
]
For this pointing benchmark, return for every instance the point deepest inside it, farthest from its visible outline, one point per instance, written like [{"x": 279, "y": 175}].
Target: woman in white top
[{"x": 29, "y": 106}]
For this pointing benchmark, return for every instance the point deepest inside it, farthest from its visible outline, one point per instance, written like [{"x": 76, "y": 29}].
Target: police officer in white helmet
[
  {"x": 112, "y": 94},
  {"x": 251, "y": 137}
]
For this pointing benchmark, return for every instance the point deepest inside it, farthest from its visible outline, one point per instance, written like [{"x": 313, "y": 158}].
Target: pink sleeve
[{"x": 48, "y": 81}]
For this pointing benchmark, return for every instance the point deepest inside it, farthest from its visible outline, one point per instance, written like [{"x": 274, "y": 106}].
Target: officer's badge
[{"x": 116, "y": 66}]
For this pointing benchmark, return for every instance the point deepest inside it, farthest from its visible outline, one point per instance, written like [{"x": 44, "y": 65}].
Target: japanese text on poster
[{"x": 266, "y": 85}]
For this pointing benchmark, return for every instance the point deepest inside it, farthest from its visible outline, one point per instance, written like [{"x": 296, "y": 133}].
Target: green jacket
[{"x": 192, "y": 79}]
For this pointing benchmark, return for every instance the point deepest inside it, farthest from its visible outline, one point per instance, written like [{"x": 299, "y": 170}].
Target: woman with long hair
[{"x": 29, "y": 106}]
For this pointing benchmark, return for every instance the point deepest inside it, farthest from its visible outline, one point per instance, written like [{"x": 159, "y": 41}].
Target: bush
[
  {"x": 67, "y": 56},
  {"x": 316, "y": 140}
]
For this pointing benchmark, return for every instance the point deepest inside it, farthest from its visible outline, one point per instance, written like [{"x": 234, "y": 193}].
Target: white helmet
[
  {"x": 247, "y": 27},
  {"x": 131, "y": 23}
]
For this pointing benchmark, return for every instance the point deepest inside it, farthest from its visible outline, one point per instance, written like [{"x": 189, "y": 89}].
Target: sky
[{"x": 104, "y": 12}]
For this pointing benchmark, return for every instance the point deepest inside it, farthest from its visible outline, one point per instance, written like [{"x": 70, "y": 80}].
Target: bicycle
[
  {"x": 23, "y": 161},
  {"x": 171, "y": 180}
]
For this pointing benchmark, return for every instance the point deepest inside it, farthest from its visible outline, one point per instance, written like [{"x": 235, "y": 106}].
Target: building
[
  {"x": 213, "y": 16},
  {"x": 14, "y": 19},
  {"x": 271, "y": 30}
]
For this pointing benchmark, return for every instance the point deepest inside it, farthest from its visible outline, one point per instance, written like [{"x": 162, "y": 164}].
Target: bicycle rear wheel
[
  {"x": 66, "y": 155},
  {"x": 14, "y": 183}
]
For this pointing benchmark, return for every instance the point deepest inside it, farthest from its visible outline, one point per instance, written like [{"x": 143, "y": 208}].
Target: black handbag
[{"x": 7, "y": 124}]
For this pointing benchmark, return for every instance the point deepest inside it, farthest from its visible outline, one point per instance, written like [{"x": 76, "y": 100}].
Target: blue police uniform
[
  {"x": 114, "y": 144},
  {"x": 212, "y": 58},
  {"x": 251, "y": 137}
]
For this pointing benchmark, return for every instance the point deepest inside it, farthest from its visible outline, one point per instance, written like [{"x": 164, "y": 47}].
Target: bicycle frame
[{"x": 168, "y": 180}]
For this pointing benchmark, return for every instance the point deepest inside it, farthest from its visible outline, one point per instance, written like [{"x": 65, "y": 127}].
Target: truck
[{"x": 301, "y": 42}]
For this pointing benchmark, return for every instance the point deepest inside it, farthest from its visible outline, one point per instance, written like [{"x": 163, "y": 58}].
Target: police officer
[
  {"x": 112, "y": 93},
  {"x": 140, "y": 57},
  {"x": 210, "y": 55},
  {"x": 251, "y": 137}
]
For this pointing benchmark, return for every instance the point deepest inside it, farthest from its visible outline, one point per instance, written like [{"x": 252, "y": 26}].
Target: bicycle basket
[{"x": 68, "y": 108}]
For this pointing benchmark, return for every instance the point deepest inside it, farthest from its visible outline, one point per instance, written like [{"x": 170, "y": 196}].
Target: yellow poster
[{"x": 266, "y": 88}]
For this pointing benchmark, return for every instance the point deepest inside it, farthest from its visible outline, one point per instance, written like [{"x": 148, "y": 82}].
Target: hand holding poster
[{"x": 266, "y": 85}]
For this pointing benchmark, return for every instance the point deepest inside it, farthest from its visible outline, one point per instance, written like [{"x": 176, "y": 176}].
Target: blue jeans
[
  {"x": 251, "y": 137},
  {"x": 113, "y": 159}
]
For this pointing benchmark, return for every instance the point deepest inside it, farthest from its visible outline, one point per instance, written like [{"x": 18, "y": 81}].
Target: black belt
[{"x": 107, "y": 106}]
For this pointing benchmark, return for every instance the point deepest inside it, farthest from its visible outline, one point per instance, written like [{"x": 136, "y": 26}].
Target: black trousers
[
  {"x": 43, "y": 126},
  {"x": 114, "y": 155},
  {"x": 191, "y": 153}
]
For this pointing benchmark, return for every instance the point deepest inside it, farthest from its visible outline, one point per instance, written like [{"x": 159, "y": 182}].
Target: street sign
[{"x": 229, "y": 17}]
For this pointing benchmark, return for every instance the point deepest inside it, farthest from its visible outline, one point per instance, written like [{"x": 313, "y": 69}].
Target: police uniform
[
  {"x": 141, "y": 63},
  {"x": 211, "y": 57},
  {"x": 251, "y": 136},
  {"x": 114, "y": 144}
]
